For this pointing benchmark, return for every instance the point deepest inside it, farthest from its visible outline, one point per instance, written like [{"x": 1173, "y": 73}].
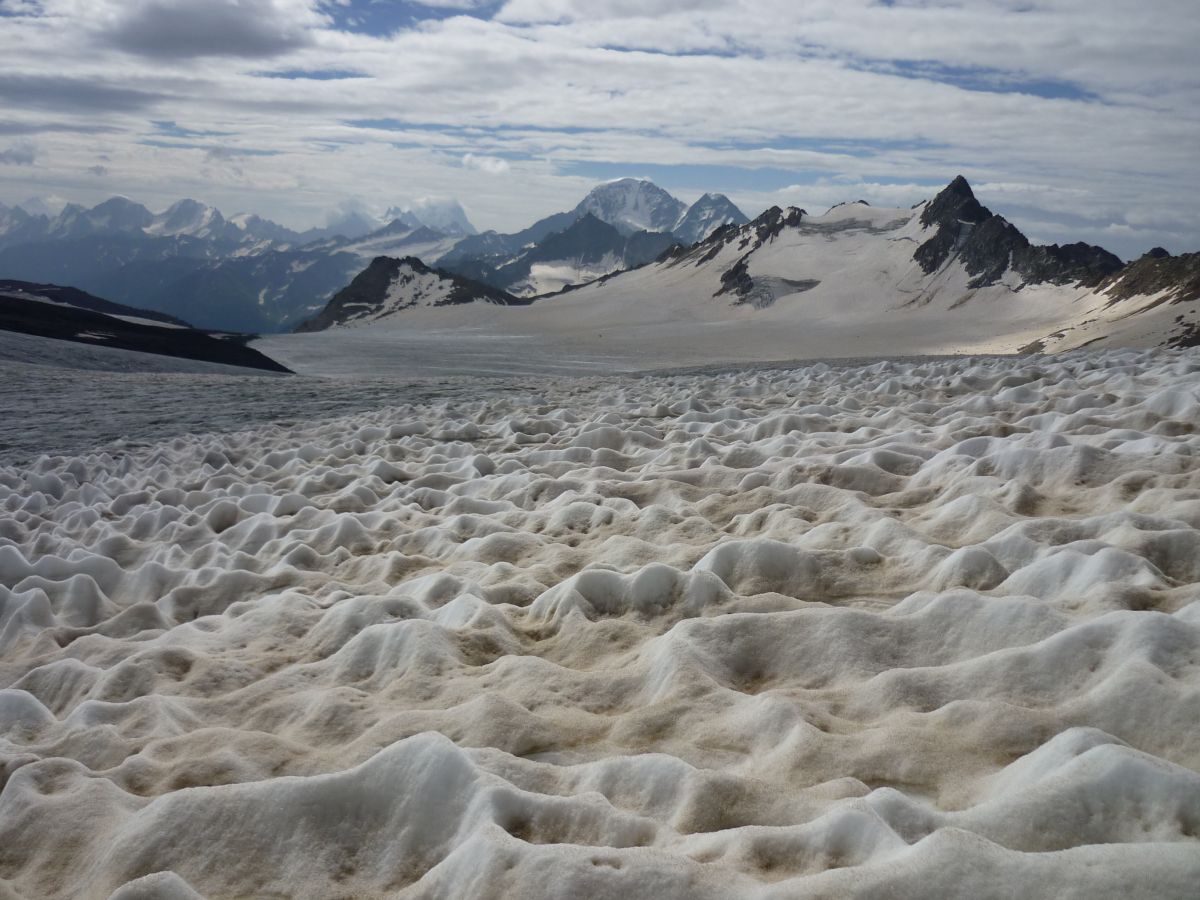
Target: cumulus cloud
[{"x": 492, "y": 164}]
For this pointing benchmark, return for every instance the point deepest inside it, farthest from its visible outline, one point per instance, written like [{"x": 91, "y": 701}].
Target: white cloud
[{"x": 491, "y": 164}]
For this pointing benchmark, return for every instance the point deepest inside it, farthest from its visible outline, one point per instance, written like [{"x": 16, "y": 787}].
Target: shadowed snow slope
[{"x": 900, "y": 630}]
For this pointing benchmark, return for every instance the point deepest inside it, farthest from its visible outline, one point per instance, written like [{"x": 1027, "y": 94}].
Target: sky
[{"x": 1076, "y": 119}]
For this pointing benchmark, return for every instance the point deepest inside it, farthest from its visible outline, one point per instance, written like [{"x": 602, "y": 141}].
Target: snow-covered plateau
[{"x": 905, "y": 629}]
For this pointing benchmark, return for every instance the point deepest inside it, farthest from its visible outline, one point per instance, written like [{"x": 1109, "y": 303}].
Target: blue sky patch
[
  {"x": 313, "y": 74},
  {"x": 992, "y": 81},
  {"x": 384, "y": 17},
  {"x": 171, "y": 129}
]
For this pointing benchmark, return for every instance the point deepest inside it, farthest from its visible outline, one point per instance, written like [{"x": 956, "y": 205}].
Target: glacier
[{"x": 904, "y": 628}]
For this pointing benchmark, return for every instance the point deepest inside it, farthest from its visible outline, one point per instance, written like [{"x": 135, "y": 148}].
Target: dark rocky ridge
[
  {"x": 736, "y": 279},
  {"x": 989, "y": 245},
  {"x": 771, "y": 224},
  {"x": 87, "y": 326},
  {"x": 369, "y": 289},
  {"x": 752, "y": 235}
]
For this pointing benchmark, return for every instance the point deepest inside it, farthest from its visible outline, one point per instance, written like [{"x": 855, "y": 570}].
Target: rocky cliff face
[{"x": 989, "y": 245}]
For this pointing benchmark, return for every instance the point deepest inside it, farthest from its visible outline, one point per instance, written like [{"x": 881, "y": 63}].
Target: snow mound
[{"x": 907, "y": 629}]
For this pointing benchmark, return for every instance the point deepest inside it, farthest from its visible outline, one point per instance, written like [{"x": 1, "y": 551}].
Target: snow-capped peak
[
  {"x": 190, "y": 217},
  {"x": 633, "y": 204}
]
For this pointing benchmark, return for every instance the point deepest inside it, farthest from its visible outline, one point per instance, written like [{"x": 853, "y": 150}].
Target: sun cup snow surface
[{"x": 897, "y": 630}]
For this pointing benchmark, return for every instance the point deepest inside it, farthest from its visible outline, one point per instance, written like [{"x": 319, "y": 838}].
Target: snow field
[{"x": 905, "y": 629}]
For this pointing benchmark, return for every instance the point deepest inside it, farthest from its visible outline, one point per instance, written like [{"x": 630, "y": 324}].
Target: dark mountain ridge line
[
  {"x": 71, "y": 296},
  {"x": 88, "y": 326}
]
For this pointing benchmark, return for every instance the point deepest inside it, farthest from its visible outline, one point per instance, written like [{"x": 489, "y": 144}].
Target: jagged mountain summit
[
  {"x": 706, "y": 215},
  {"x": 389, "y": 286},
  {"x": 989, "y": 245}
]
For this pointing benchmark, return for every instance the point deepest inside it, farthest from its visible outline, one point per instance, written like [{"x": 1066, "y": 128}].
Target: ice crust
[{"x": 898, "y": 630}]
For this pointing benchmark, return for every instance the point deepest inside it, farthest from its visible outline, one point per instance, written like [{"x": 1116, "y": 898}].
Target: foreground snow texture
[{"x": 903, "y": 630}]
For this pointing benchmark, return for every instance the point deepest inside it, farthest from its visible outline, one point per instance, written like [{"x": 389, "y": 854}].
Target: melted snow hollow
[{"x": 897, "y": 630}]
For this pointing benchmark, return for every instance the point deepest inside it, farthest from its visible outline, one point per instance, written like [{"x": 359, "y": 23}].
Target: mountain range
[
  {"x": 246, "y": 273},
  {"x": 860, "y": 280}
]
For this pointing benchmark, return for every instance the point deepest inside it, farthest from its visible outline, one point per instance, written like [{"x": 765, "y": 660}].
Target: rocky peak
[
  {"x": 955, "y": 203},
  {"x": 774, "y": 220},
  {"x": 989, "y": 245}
]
